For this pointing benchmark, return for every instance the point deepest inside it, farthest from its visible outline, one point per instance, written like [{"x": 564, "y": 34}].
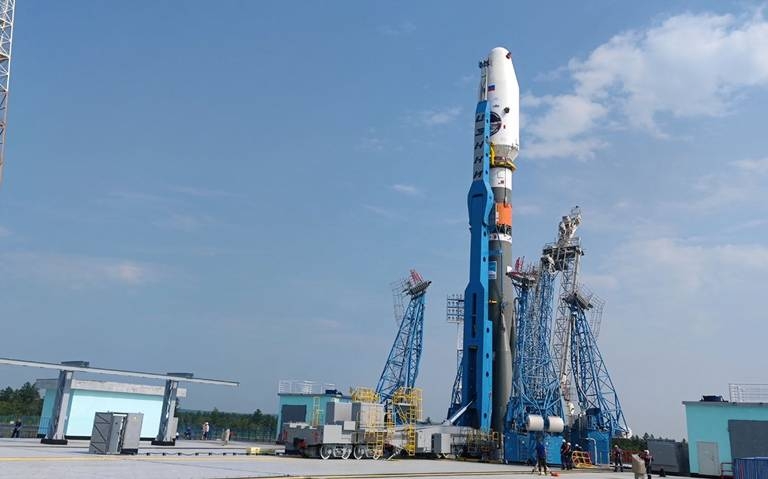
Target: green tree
[{"x": 25, "y": 401}]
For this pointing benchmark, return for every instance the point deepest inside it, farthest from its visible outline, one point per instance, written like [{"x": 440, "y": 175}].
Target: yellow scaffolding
[
  {"x": 406, "y": 405},
  {"x": 375, "y": 427},
  {"x": 365, "y": 395},
  {"x": 317, "y": 412}
]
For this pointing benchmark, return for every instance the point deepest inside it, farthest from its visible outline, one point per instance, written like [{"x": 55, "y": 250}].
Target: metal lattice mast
[
  {"x": 402, "y": 365},
  {"x": 7, "y": 9},
  {"x": 597, "y": 395},
  {"x": 454, "y": 314},
  {"x": 536, "y": 389},
  {"x": 565, "y": 254}
]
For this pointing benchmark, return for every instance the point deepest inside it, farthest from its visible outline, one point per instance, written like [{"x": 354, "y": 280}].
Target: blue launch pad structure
[
  {"x": 402, "y": 366},
  {"x": 535, "y": 411},
  {"x": 602, "y": 417}
]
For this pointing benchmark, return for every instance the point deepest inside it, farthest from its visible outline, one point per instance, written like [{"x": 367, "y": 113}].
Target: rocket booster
[{"x": 500, "y": 88}]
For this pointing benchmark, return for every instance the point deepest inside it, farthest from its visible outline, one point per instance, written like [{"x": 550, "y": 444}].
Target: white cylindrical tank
[
  {"x": 534, "y": 422},
  {"x": 503, "y": 94},
  {"x": 555, "y": 424}
]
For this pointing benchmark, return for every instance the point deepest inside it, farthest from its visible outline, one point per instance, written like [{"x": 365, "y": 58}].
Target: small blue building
[
  {"x": 90, "y": 397},
  {"x": 720, "y": 431}
]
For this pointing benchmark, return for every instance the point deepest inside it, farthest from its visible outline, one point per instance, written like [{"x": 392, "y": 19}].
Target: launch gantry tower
[
  {"x": 402, "y": 366},
  {"x": 565, "y": 254},
  {"x": 601, "y": 417},
  {"x": 535, "y": 406}
]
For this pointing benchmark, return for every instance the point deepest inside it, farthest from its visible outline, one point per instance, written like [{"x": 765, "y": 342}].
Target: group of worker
[
  {"x": 566, "y": 458},
  {"x": 566, "y": 454}
]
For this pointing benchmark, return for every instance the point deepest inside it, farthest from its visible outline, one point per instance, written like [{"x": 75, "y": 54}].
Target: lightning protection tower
[
  {"x": 454, "y": 314},
  {"x": 7, "y": 8},
  {"x": 402, "y": 365}
]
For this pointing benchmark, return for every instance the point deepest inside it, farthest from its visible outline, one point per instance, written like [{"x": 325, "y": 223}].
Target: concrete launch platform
[{"x": 29, "y": 459}]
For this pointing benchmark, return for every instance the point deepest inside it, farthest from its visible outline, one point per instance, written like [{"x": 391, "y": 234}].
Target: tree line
[
  {"x": 25, "y": 401},
  {"x": 637, "y": 443},
  {"x": 258, "y": 421}
]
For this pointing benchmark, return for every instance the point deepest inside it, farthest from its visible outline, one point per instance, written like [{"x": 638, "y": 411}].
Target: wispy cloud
[
  {"x": 407, "y": 189},
  {"x": 689, "y": 65},
  {"x": 396, "y": 30},
  {"x": 137, "y": 197},
  {"x": 600, "y": 282},
  {"x": 371, "y": 144},
  {"x": 438, "y": 117},
  {"x": 383, "y": 212},
  {"x": 4, "y": 232},
  {"x": 740, "y": 182},
  {"x": 527, "y": 210},
  {"x": 747, "y": 225},
  {"x": 203, "y": 192},
  {"x": 326, "y": 324},
  {"x": 185, "y": 222},
  {"x": 753, "y": 166},
  {"x": 76, "y": 271}
]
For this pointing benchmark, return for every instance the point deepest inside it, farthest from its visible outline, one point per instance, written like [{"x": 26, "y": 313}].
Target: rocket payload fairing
[{"x": 489, "y": 335}]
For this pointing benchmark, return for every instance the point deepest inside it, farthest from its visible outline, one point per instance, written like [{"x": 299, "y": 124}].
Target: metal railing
[{"x": 748, "y": 392}]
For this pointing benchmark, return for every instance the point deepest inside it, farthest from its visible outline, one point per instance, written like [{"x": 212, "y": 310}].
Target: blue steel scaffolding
[
  {"x": 402, "y": 365},
  {"x": 601, "y": 416},
  {"x": 535, "y": 409}
]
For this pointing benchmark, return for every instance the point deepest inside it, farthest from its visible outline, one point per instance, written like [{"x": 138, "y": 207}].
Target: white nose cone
[{"x": 503, "y": 94}]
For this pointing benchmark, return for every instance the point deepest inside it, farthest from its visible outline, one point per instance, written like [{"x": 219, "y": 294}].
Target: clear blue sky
[{"x": 229, "y": 188}]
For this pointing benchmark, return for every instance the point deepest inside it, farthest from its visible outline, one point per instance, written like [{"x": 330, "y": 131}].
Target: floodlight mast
[{"x": 7, "y": 9}]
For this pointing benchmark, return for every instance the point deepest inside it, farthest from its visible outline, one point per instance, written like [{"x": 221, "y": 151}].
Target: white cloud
[
  {"x": 526, "y": 210},
  {"x": 682, "y": 269},
  {"x": 326, "y": 324},
  {"x": 383, "y": 212},
  {"x": 185, "y": 222},
  {"x": 560, "y": 148},
  {"x": 689, "y": 65},
  {"x": 599, "y": 282},
  {"x": 76, "y": 271},
  {"x": 753, "y": 166},
  {"x": 439, "y": 117},
  {"x": 203, "y": 192},
  {"x": 742, "y": 183},
  {"x": 127, "y": 272},
  {"x": 566, "y": 116},
  {"x": 371, "y": 144},
  {"x": 407, "y": 189}
]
